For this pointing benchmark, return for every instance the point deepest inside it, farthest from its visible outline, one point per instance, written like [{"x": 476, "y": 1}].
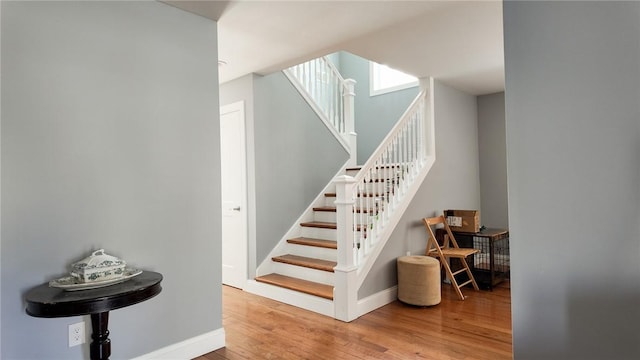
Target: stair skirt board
[
  {"x": 300, "y": 272},
  {"x": 308, "y": 302}
]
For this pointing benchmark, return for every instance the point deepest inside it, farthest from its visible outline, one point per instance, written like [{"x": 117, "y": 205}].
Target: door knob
[{"x": 236, "y": 208}]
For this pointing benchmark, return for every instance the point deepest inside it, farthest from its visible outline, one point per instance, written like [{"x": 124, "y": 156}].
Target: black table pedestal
[{"x": 100, "y": 348}]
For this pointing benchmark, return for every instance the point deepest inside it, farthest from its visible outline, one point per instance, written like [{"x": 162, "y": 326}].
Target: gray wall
[
  {"x": 492, "y": 152},
  {"x": 109, "y": 139},
  {"x": 573, "y": 142},
  {"x": 375, "y": 115},
  {"x": 452, "y": 183},
  {"x": 295, "y": 157}
]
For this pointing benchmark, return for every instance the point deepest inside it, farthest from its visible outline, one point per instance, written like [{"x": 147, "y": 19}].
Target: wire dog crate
[{"x": 491, "y": 265}]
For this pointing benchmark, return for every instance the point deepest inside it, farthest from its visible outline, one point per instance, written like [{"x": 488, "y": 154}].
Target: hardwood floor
[{"x": 477, "y": 328}]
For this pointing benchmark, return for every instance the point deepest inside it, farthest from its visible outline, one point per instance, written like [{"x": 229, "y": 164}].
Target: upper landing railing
[{"x": 330, "y": 96}]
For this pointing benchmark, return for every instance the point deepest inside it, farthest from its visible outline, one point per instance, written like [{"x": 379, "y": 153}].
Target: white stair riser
[
  {"x": 300, "y": 272},
  {"x": 319, "y": 233},
  {"x": 361, "y": 218},
  {"x": 352, "y": 172},
  {"x": 330, "y": 201},
  {"x": 313, "y": 252},
  {"x": 324, "y": 216}
]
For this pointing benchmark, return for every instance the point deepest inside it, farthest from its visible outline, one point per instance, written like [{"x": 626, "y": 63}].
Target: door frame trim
[{"x": 225, "y": 109}]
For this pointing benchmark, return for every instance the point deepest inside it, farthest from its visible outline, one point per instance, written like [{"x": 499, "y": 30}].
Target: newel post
[
  {"x": 345, "y": 293},
  {"x": 429, "y": 146},
  {"x": 350, "y": 119}
]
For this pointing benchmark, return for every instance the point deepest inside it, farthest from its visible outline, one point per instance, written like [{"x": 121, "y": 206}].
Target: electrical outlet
[{"x": 76, "y": 334}]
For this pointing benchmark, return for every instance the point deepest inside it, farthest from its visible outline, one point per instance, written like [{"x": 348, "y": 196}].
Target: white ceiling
[{"x": 458, "y": 42}]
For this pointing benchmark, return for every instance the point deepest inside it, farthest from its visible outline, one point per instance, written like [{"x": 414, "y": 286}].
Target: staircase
[
  {"x": 324, "y": 258},
  {"x": 313, "y": 255}
]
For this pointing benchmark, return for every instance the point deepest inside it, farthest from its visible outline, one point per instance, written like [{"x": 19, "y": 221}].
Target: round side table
[{"x": 48, "y": 302}]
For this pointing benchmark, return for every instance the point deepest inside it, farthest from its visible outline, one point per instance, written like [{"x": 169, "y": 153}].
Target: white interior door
[{"x": 234, "y": 190}]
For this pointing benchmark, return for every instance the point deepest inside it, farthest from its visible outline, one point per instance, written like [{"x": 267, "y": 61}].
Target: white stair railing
[
  {"x": 366, "y": 204},
  {"x": 330, "y": 96},
  {"x": 385, "y": 177}
]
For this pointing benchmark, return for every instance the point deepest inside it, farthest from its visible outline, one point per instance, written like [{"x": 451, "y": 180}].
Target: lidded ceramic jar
[{"x": 98, "y": 267}]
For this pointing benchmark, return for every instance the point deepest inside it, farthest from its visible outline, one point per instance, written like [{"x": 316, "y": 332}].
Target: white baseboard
[
  {"x": 190, "y": 348},
  {"x": 377, "y": 300},
  {"x": 295, "y": 298}
]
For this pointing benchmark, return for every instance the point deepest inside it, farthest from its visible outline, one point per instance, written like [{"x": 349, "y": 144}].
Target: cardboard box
[{"x": 463, "y": 220}]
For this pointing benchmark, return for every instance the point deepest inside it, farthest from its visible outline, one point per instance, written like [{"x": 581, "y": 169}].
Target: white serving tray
[{"x": 70, "y": 283}]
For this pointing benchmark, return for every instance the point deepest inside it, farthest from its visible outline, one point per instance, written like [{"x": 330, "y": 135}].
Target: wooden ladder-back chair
[{"x": 449, "y": 249}]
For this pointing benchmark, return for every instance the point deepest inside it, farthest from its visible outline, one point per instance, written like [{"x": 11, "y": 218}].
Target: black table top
[{"x": 49, "y": 302}]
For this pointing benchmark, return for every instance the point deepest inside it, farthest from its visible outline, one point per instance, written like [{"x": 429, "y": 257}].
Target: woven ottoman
[{"x": 419, "y": 280}]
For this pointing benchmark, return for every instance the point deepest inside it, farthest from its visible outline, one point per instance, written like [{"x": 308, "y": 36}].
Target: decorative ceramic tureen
[{"x": 98, "y": 267}]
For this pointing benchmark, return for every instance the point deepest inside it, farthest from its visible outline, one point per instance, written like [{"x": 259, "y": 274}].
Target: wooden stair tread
[
  {"x": 361, "y": 194},
  {"x": 394, "y": 180},
  {"x": 333, "y": 209},
  {"x": 320, "y": 224},
  {"x": 378, "y": 194},
  {"x": 307, "y": 262},
  {"x": 325, "y": 208},
  {"x": 373, "y": 211},
  {"x": 377, "y": 167},
  {"x": 305, "y": 286},
  {"x": 328, "y": 225},
  {"x": 329, "y": 244}
]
